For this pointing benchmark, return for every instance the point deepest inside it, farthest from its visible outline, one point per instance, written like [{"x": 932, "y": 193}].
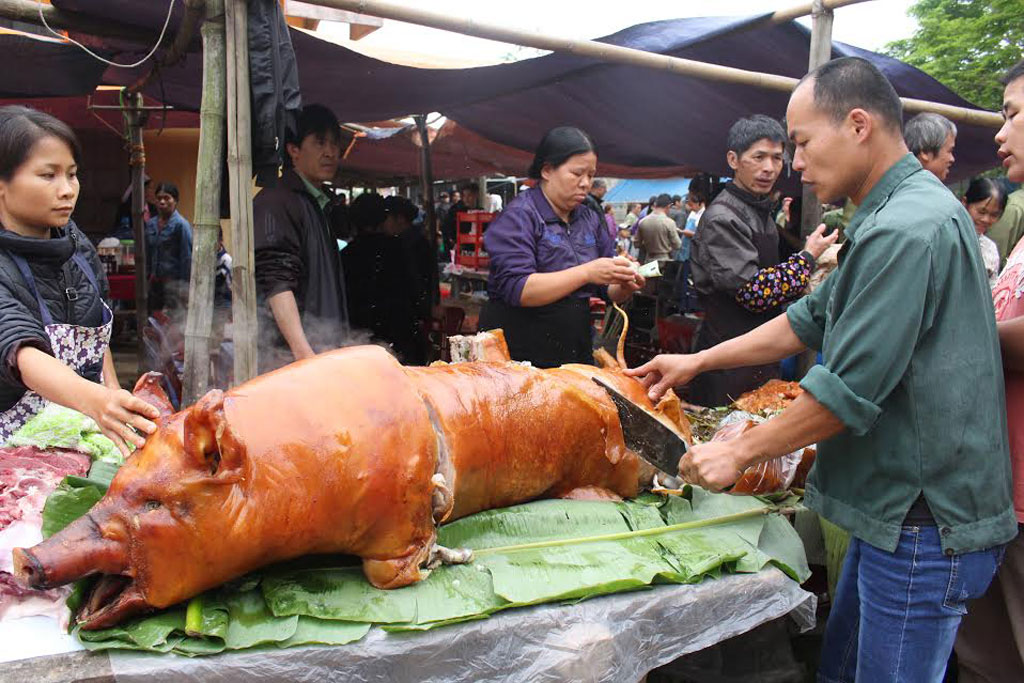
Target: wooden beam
[
  {"x": 621, "y": 55},
  {"x": 27, "y": 11},
  {"x": 802, "y": 10},
  {"x": 199, "y": 324},
  {"x": 243, "y": 281},
  {"x": 821, "y": 52},
  {"x": 427, "y": 185},
  {"x": 137, "y": 162}
]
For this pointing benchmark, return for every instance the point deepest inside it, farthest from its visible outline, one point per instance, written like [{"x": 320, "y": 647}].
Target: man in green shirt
[
  {"x": 1010, "y": 227},
  {"x": 908, "y": 408}
]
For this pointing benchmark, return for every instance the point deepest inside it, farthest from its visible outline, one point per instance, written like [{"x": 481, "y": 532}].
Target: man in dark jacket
[
  {"x": 735, "y": 258},
  {"x": 595, "y": 198},
  {"x": 298, "y": 269},
  {"x": 469, "y": 200}
]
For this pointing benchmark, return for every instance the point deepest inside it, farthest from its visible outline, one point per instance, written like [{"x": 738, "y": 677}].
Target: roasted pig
[{"x": 347, "y": 452}]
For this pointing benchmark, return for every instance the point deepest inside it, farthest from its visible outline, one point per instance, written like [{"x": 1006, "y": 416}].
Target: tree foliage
[{"x": 966, "y": 44}]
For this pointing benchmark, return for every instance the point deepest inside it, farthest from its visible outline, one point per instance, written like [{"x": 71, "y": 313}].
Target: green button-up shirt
[{"x": 912, "y": 368}]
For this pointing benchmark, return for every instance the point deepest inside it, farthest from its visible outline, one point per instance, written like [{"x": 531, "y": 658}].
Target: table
[{"x": 612, "y": 638}]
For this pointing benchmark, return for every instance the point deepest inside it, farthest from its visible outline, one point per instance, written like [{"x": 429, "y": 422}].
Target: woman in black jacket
[{"x": 54, "y": 324}]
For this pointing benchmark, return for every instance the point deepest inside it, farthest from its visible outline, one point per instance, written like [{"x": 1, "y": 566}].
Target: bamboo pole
[
  {"x": 427, "y": 184},
  {"x": 243, "y": 282},
  {"x": 821, "y": 52},
  {"x": 137, "y": 162},
  {"x": 198, "y": 327},
  {"x": 623, "y": 55},
  {"x": 27, "y": 11}
]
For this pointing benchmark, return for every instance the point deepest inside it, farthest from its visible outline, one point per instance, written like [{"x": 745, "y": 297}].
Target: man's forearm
[
  {"x": 804, "y": 422},
  {"x": 769, "y": 343},
  {"x": 1011, "y": 341},
  {"x": 286, "y": 315}
]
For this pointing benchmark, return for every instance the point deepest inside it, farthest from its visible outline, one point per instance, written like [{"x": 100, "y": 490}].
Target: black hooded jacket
[{"x": 55, "y": 273}]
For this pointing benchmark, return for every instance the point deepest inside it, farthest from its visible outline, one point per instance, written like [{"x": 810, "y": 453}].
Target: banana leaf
[{"x": 294, "y": 605}]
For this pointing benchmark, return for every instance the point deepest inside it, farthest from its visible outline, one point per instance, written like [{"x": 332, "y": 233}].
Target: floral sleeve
[{"x": 776, "y": 285}]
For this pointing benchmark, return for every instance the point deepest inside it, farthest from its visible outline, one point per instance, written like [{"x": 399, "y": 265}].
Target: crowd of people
[{"x": 917, "y": 407}]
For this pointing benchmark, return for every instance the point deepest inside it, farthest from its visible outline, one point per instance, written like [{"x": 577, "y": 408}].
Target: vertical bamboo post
[
  {"x": 243, "y": 282},
  {"x": 199, "y": 325},
  {"x": 136, "y": 119},
  {"x": 821, "y": 52}
]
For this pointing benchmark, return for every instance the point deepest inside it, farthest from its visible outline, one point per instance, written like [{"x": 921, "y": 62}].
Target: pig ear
[{"x": 204, "y": 423}]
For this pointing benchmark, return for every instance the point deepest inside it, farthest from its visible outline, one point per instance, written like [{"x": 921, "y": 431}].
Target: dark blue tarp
[
  {"x": 637, "y": 116},
  {"x": 39, "y": 67}
]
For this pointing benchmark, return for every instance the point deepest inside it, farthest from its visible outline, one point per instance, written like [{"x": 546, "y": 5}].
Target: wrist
[
  {"x": 748, "y": 450},
  {"x": 810, "y": 257}
]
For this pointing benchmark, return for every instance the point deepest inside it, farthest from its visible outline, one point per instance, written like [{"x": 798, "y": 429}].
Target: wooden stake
[
  {"x": 198, "y": 327},
  {"x": 137, "y": 161},
  {"x": 821, "y": 52},
  {"x": 243, "y": 283},
  {"x": 427, "y": 185}
]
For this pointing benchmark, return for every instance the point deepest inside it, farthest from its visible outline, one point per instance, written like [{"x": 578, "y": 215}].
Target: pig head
[{"x": 331, "y": 456}]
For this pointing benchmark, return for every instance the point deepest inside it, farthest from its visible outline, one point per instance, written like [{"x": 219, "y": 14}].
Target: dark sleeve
[
  {"x": 511, "y": 245},
  {"x": 19, "y": 327},
  {"x": 277, "y": 247},
  {"x": 776, "y": 285},
  {"x": 728, "y": 254}
]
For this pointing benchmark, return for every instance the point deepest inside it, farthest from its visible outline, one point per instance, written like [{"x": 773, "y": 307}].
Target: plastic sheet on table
[{"x": 607, "y": 639}]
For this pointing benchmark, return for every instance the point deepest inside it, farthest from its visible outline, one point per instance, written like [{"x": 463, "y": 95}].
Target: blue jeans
[{"x": 896, "y": 615}]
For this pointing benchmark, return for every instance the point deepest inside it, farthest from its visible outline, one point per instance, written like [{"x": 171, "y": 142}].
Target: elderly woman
[
  {"x": 549, "y": 254},
  {"x": 985, "y": 201},
  {"x": 931, "y": 138}
]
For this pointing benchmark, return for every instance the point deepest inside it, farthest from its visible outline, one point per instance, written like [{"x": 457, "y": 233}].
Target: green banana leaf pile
[{"x": 326, "y": 600}]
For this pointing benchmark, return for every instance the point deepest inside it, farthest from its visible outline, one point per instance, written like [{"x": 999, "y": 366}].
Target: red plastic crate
[{"x": 469, "y": 238}]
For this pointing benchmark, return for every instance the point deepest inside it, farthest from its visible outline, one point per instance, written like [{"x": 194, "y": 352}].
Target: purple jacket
[{"x": 527, "y": 237}]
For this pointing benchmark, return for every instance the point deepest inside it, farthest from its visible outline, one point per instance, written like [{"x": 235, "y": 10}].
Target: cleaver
[{"x": 645, "y": 435}]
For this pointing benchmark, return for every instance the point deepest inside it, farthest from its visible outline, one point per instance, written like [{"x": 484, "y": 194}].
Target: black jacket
[
  {"x": 54, "y": 271},
  {"x": 296, "y": 251},
  {"x": 274, "y": 75}
]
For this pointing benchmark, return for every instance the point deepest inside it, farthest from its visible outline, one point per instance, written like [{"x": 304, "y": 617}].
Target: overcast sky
[{"x": 869, "y": 25}]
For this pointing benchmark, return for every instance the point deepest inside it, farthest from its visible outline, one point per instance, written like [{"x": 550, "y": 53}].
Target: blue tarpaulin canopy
[
  {"x": 641, "y": 191},
  {"x": 638, "y": 117}
]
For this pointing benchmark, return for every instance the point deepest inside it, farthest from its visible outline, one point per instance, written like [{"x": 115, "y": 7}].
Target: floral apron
[{"x": 80, "y": 348}]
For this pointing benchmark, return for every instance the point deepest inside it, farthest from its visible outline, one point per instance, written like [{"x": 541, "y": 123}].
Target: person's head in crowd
[
  {"x": 315, "y": 147},
  {"x": 456, "y": 197},
  {"x": 846, "y": 122},
  {"x": 931, "y": 138},
  {"x": 662, "y": 202},
  {"x": 650, "y": 202},
  {"x": 39, "y": 157},
  {"x": 985, "y": 201},
  {"x": 470, "y": 195},
  {"x": 166, "y": 199},
  {"x": 677, "y": 200},
  {"x": 696, "y": 198},
  {"x": 1011, "y": 136},
  {"x": 367, "y": 213},
  {"x": 609, "y": 209},
  {"x": 564, "y": 163},
  {"x": 400, "y": 215},
  {"x": 755, "y": 153},
  {"x": 634, "y": 209},
  {"x": 599, "y": 188}
]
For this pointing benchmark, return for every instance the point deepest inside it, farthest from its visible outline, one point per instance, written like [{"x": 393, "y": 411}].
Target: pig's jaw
[{"x": 78, "y": 551}]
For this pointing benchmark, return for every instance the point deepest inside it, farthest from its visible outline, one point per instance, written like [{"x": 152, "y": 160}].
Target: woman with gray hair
[{"x": 931, "y": 138}]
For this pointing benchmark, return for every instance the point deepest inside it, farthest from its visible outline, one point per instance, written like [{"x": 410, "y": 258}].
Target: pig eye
[{"x": 153, "y": 505}]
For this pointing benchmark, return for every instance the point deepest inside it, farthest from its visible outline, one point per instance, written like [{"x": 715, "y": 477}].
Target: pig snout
[{"x": 73, "y": 553}]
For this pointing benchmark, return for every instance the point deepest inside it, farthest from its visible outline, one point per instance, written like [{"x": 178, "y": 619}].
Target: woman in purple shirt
[{"x": 549, "y": 254}]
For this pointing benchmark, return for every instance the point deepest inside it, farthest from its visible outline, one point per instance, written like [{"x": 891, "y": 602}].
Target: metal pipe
[{"x": 625, "y": 55}]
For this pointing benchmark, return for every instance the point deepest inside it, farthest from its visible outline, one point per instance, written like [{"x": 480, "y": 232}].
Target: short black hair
[
  {"x": 677, "y": 198},
  {"x": 167, "y": 187},
  {"x": 21, "y": 128},
  {"x": 557, "y": 146},
  {"x": 400, "y": 206},
  {"x": 848, "y": 83},
  {"x": 663, "y": 200},
  {"x": 1016, "y": 71},
  {"x": 982, "y": 188},
  {"x": 367, "y": 211},
  {"x": 317, "y": 120},
  {"x": 747, "y": 131},
  {"x": 469, "y": 187}
]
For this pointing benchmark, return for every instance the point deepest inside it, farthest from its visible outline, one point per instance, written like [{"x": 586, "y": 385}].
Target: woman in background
[{"x": 985, "y": 202}]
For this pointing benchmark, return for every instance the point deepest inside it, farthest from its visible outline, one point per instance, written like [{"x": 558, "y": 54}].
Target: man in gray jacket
[{"x": 735, "y": 258}]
